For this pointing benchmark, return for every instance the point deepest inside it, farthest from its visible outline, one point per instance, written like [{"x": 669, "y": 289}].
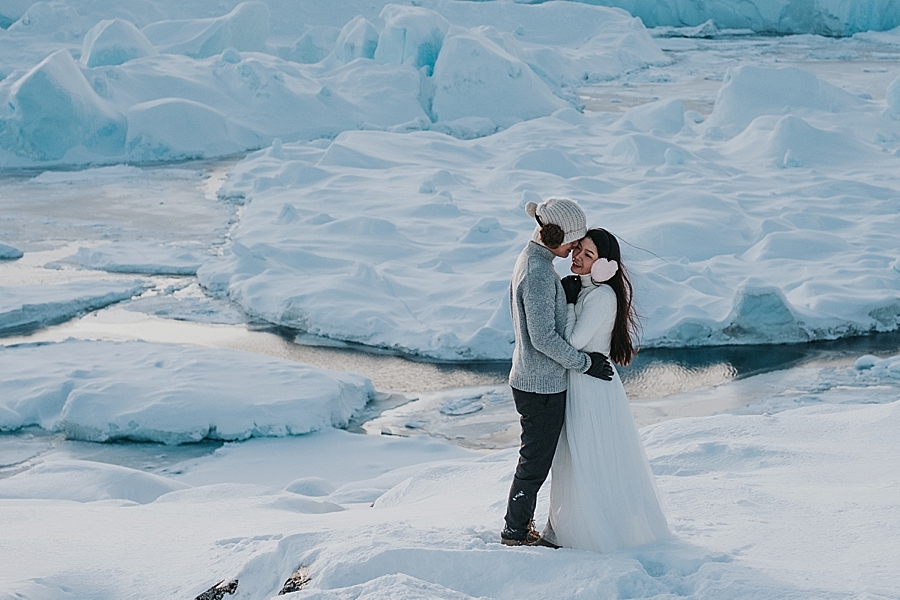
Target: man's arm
[{"x": 539, "y": 302}]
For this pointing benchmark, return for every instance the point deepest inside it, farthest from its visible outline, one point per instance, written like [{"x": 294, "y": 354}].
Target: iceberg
[
  {"x": 473, "y": 76},
  {"x": 357, "y": 39},
  {"x": 147, "y": 89},
  {"x": 823, "y": 17},
  {"x": 174, "y": 128},
  {"x": 113, "y": 42},
  {"x": 411, "y": 35},
  {"x": 54, "y": 110},
  {"x": 245, "y": 28}
]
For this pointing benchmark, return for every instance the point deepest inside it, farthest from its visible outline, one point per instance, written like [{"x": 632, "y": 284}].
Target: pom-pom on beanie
[{"x": 562, "y": 212}]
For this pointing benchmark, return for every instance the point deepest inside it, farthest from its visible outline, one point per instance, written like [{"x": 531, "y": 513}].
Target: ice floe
[
  {"x": 8, "y": 252},
  {"x": 324, "y": 461},
  {"x": 25, "y": 308},
  {"x": 101, "y": 391},
  {"x": 138, "y": 257},
  {"x": 755, "y": 226},
  {"x": 196, "y": 308},
  {"x": 245, "y": 28},
  {"x": 773, "y": 220}
]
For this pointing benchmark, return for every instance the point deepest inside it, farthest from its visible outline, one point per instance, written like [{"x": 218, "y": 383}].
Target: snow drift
[
  {"x": 87, "y": 481},
  {"x": 748, "y": 92}
]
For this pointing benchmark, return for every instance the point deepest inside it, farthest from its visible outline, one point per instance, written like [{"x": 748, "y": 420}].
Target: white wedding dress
[{"x": 603, "y": 494}]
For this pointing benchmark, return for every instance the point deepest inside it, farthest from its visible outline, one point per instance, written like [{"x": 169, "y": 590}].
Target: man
[{"x": 538, "y": 376}]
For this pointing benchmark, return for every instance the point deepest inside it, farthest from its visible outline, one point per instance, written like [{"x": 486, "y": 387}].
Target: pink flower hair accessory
[{"x": 603, "y": 270}]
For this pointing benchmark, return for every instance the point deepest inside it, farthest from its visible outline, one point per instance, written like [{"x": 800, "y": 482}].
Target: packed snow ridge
[
  {"x": 183, "y": 88},
  {"x": 769, "y": 222}
]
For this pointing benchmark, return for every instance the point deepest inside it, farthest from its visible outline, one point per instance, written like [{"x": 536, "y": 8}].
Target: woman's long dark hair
[{"x": 626, "y": 327}]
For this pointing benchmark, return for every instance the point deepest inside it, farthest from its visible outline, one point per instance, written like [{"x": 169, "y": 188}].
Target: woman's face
[{"x": 583, "y": 256}]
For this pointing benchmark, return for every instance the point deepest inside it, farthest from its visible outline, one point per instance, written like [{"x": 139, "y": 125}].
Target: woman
[{"x": 603, "y": 495}]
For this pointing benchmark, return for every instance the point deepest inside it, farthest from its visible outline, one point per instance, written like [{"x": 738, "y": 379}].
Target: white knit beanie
[{"x": 563, "y": 212}]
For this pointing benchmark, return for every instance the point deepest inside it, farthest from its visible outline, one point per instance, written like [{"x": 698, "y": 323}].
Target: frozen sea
[{"x": 264, "y": 349}]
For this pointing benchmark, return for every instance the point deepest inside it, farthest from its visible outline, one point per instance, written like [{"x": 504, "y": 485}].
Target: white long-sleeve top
[{"x": 590, "y": 321}]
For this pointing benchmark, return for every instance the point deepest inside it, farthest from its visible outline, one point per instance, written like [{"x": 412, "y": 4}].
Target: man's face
[{"x": 563, "y": 250}]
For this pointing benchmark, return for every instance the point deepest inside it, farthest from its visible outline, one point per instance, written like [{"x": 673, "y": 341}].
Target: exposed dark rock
[
  {"x": 218, "y": 591},
  {"x": 296, "y": 581}
]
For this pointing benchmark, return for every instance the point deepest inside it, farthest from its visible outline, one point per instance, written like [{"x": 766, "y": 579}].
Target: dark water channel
[
  {"x": 659, "y": 372},
  {"x": 655, "y": 372}
]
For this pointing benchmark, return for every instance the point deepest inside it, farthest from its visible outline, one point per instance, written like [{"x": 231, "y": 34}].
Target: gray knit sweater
[{"x": 538, "y": 305}]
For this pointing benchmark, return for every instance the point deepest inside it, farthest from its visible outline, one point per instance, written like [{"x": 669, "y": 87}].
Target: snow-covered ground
[
  {"x": 752, "y": 179},
  {"x": 793, "y": 504}
]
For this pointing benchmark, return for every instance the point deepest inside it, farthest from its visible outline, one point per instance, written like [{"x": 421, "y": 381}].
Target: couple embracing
[{"x": 573, "y": 410}]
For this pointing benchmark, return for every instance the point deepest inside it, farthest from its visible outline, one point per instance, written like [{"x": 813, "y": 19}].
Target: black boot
[{"x": 516, "y": 537}]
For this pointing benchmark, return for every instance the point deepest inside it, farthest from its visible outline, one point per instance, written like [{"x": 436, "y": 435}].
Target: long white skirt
[{"x": 603, "y": 494}]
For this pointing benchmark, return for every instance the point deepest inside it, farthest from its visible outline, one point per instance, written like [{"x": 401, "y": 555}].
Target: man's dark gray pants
[{"x": 541, "y": 416}]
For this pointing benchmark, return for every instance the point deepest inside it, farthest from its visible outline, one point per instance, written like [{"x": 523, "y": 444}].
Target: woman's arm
[
  {"x": 571, "y": 319},
  {"x": 598, "y": 313}
]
